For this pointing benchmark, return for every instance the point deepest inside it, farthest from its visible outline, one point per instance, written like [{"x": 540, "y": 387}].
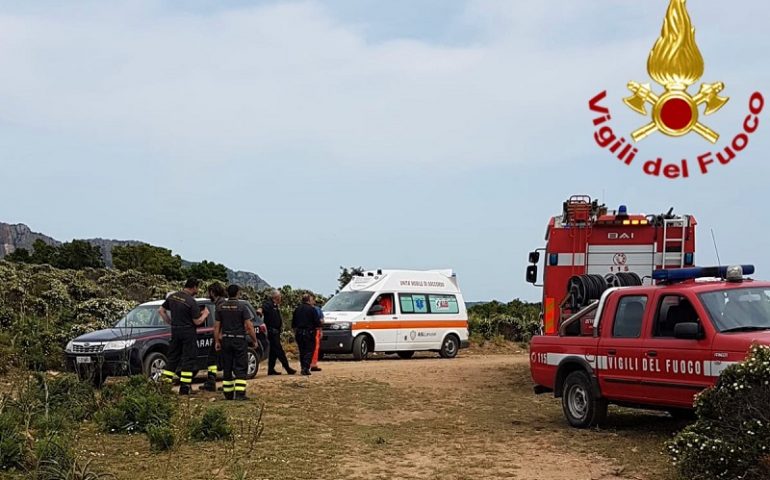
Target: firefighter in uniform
[
  {"x": 305, "y": 322},
  {"x": 234, "y": 326},
  {"x": 185, "y": 316},
  {"x": 218, "y": 295}
]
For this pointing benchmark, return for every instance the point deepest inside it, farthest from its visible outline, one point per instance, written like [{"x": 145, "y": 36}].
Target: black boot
[
  {"x": 289, "y": 370},
  {"x": 211, "y": 383},
  {"x": 305, "y": 371},
  {"x": 229, "y": 395},
  {"x": 185, "y": 389},
  {"x": 241, "y": 396}
]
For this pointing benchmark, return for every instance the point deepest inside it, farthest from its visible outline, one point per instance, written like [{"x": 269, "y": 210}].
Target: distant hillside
[{"x": 17, "y": 236}]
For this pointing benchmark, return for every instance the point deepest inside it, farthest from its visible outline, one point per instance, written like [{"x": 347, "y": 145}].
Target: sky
[{"x": 290, "y": 138}]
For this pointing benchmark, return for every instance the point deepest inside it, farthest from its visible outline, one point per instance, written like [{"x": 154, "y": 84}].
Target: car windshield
[
  {"x": 142, "y": 317},
  {"x": 738, "y": 309},
  {"x": 348, "y": 302}
]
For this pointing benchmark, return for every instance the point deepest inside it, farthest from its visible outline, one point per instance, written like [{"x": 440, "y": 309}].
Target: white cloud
[{"x": 289, "y": 78}]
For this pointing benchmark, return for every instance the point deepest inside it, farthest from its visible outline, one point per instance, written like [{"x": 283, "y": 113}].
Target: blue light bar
[
  {"x": 681, "y": 274},
  {"x": 622, "y": 210}
]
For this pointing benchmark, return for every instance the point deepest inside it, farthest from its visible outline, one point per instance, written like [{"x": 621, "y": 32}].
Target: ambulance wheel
[
  {"x": 580, "y": 407},
  {"x": 450, "y": 347},
  {"x": 406, "y": 354},
  {"x": 361, "y": 347}
]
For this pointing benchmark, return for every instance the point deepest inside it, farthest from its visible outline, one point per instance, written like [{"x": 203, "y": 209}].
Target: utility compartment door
[{"x": 638, "y": 259}]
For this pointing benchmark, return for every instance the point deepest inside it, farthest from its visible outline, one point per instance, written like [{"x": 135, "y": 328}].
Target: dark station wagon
[{"x": 138, "y": 344}]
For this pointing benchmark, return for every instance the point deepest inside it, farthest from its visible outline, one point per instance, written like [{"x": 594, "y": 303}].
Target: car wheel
[
  {"x": 252, "y": 363},
  {"x": 580, "y": 407},
  {"x": 154, "y": 364},
  {"x": 361, "y": 347},
  {"x": 406, "y": 354},
  {"x": 450, "y": 347}
]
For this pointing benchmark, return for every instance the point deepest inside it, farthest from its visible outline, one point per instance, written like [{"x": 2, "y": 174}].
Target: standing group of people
[
  {"x": 233, "y": 329},
  {"x": 306, "y": 323}
]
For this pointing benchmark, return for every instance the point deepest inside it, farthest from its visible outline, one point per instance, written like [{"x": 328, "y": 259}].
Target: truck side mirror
[
  {"x": 687, "y": 331},
  {"x": 534, "y": 257},
  {"x": 532, "y": 274}
]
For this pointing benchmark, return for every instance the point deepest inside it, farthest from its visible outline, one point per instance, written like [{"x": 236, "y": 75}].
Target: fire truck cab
[{"x": 590, "y": 248}]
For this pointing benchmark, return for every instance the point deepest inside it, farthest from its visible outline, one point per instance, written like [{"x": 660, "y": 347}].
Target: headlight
[
  {"x": 118, "y": 344},
  {"x": 68, "y": 348},
  {"x": 341, "y": 326}
]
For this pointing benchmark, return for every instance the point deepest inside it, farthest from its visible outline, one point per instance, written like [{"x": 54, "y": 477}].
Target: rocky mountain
[{"x": 17, "y": 236}]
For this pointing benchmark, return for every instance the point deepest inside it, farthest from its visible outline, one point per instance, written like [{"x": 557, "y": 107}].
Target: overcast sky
[{"x": 289, "y": 138}]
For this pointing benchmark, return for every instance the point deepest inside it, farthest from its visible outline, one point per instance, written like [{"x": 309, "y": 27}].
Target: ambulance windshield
[
  {"x": 348, "y": 302},
  {"x": 739, "y": 309}
]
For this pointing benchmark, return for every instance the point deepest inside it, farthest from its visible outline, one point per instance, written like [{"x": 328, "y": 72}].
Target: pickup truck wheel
[
  {"x": 580, "y": 407},
  {"x": 154, "y": 364}
]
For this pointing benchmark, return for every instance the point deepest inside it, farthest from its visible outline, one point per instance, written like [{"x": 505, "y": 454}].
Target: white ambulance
[{"x": 397, "y": 311}]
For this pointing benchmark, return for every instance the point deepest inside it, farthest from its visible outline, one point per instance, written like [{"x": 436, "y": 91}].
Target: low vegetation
[{"x": 731, "y": 438}]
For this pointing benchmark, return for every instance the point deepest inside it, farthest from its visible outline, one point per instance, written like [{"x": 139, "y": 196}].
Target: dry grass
[{"x": 468, "y": 418}]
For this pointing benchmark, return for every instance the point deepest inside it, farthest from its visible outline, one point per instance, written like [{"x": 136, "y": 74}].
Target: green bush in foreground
[
  {"x": 161, "y": 437},
  {"x": 731, "y": 438},
  {"x": 11, "y": 438},
  {"x": 135, "y": 405},
  {"x": 213, "y": 425}
]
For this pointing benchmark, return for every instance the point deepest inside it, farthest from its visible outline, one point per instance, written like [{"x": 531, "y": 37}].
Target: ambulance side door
[
  {"x": 675, "y": 367},
  {"x": 620, "y": 348},
  {"x": 414, "y": 310},
  {"x": 383, "y": 324}
]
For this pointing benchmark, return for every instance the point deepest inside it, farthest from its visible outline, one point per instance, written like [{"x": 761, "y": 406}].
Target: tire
[
  {"x": 153, "y": 365},
  {"x": 361, "y": 347},
  {"x": 406, "y": 354},
  {"x": 580, "y": 407},
  {"x": 450, "y": 346},
  {"x": 252, "y": 363}
]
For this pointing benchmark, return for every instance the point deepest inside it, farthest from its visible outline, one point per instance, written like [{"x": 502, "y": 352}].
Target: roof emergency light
[
  {"x": 622, "y": 210},
  {"x": 682, "y": 274}
]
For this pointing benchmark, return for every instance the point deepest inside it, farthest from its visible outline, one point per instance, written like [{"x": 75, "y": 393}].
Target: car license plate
[{"x": 83, "y": 360}]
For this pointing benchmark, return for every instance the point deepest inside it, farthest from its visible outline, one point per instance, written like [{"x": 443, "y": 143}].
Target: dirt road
[{"x": 472, "y": 417}]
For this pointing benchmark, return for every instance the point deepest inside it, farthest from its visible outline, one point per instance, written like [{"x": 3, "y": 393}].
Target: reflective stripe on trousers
[
  {"x": 240, "y": 385},
  {"x": 228, "y": 386},
  {"x": 185, "y": 377}
]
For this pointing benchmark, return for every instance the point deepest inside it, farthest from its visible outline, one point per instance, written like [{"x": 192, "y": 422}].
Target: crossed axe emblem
[{"x": 670, "y": 113}]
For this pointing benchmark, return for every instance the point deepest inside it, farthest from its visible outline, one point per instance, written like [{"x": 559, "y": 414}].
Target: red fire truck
[{"x": 590, "y": 248}]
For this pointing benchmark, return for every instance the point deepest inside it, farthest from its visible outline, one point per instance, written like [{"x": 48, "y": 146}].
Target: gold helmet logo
[{"x": 675, "y": 63}]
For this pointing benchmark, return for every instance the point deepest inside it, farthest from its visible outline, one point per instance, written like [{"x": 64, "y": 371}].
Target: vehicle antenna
[{"x": 713, "y": 239}]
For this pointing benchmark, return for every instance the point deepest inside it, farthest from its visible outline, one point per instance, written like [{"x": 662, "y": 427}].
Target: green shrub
[
  {"x": 77, "y": 471},
  {"x": 67, "y": 394},
  {"x": 11, "y": 441},
  {"x": 213, "y": 425},
  {"x": 731, "y": 438},
  {"x": 135, "y": 405},
  {"x": 161, "y": 437},
  {"x": 53, "y": 449}
]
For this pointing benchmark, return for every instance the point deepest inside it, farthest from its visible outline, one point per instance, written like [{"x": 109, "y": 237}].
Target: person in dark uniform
[
  {"x": 274, "y": 323},
  {"x": 233, "y": 327},
  {"x": 305, "y": 322},
  {"x": 185, "y": 316},
  {"x": 218, "y": 295}
]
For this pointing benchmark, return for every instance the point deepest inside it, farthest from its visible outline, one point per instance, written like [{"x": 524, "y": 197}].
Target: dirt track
[{"x": 472, "y": 417}]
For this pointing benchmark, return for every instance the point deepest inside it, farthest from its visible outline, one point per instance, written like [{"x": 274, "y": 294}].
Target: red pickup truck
[{"x": 652, "y": 346}]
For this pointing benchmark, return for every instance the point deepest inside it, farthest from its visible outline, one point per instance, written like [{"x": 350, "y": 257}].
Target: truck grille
[{"x": 92, "y": 348}]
